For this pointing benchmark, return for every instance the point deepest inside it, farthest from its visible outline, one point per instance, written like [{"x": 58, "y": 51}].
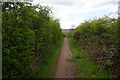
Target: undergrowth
[{"x": 85, "y": 66}]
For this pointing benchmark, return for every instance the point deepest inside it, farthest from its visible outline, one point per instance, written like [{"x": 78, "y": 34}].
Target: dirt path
[{"x": 65, "y": 65}]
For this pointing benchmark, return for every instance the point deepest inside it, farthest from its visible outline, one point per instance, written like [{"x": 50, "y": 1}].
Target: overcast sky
[{"x": 74, "y": 12}]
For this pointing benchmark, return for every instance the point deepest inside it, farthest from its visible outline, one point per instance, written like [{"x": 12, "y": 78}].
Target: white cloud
[
  {"x": 114, "y": 8},
  {"x": 70, "y": 11}
]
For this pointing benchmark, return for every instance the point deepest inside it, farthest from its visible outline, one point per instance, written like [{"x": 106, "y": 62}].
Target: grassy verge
[
  {"x": 86, "y": 67},
  {"x": 45, "y": 68},
  {"x": 48, "y": 64}
]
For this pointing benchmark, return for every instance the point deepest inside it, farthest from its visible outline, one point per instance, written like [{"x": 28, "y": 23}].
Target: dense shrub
[
  {"x": 100, "y": 38},
  {"x": 28, "y": 32}
]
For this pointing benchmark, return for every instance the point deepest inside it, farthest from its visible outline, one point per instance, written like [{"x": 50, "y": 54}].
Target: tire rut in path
[{"x": 65, "y": 66}]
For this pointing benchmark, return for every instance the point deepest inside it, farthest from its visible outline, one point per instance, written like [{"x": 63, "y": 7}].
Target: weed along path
[{"x": 65, "y": 66}]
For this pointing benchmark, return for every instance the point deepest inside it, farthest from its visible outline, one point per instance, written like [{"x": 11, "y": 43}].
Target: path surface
[{"x": 65, "y": 65}]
